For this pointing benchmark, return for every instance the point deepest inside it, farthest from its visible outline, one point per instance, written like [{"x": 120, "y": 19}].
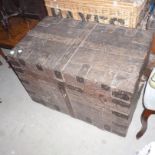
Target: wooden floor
[{"x": 17, "y": 30}]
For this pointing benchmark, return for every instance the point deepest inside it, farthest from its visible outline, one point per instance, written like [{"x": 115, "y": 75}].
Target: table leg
[{"x": 144, "y": 121}]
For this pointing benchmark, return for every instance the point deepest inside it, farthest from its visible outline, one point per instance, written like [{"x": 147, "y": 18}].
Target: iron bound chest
[{"x": 87, "y": 70}]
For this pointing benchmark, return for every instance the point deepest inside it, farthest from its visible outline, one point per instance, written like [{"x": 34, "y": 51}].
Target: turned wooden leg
[{"x": 144, "y": 118}]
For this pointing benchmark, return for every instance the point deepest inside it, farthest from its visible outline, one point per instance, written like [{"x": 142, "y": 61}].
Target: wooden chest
[
  {"x": 126, "y": 13},
  {"x": 87, "y": 70}
]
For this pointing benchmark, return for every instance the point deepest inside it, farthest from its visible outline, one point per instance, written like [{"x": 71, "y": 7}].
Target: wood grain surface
[{"x": 87, "y": 70}]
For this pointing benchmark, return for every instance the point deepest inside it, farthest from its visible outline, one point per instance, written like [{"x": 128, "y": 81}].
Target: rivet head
[
  {"x": 20, "y": 51},
  {"x": 12, "y": 52}
]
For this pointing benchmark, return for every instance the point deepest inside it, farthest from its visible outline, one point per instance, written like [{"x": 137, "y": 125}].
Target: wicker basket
[{"x": 123, "y": 13}]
